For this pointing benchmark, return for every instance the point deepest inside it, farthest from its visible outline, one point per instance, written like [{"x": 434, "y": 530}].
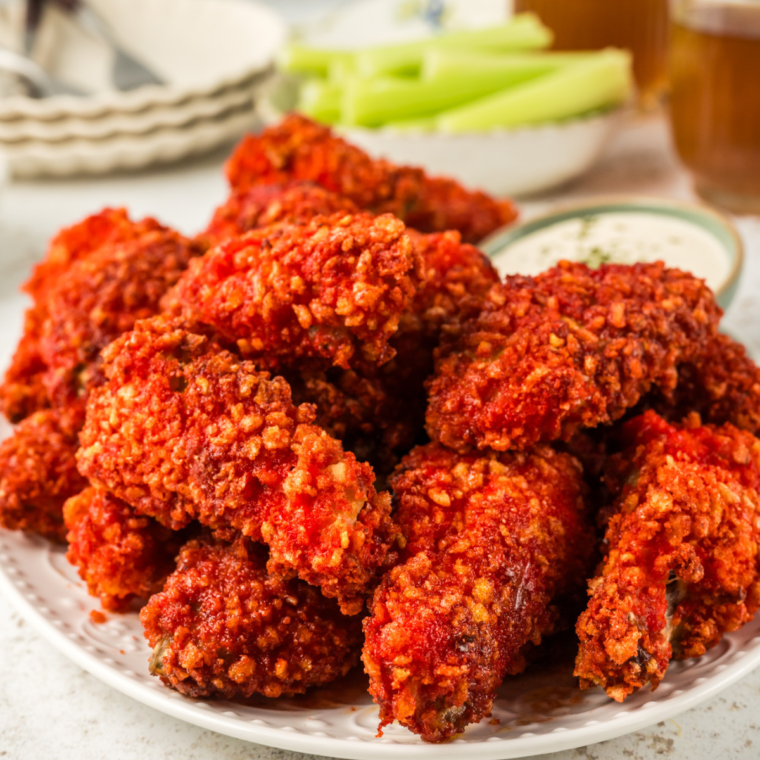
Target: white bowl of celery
[{"x": 488, "y": 106}]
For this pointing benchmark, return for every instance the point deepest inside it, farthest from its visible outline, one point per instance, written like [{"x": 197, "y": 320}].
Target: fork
[{"x": 128, "y": 73}]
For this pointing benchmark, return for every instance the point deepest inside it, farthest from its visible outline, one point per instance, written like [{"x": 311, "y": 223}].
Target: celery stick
[
  {"x": 441, "y": 64},
  {"x": 522, "y": 32},
  {"x": 302, "y": 59},
  {"x": 340, "y": 70},
  {"x": 425, "y": 124},
  {"x": 601, "y": 80},
  {"x": 371, "y": 102},
  {"x": 321, "y": 100}
]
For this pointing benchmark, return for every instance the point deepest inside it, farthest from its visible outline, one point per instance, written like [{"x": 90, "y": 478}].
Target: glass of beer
[
  {"x": 641, "y": 26},
  {"x": 715, "y": 99}
]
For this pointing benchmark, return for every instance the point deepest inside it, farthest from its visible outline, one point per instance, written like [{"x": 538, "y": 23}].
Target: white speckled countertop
[{"x": 50, "y": 708}]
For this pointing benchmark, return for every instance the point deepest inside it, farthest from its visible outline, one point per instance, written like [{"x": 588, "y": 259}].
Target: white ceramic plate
[
  {"x": 121, "y": 151},
  {"x": 115, "y": 123},
  {"x": 197, "y": 46},
  {"x": 541, "y": 711}
]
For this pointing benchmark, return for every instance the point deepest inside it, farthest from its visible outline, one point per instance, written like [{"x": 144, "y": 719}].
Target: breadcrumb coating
[
  {"x": 571, "y": 348},
  {"x": 120, "y": 554},
  {"x": 682, "y": 565},
  {"x": 298, "y": 149},
  {"x": 99, "y": 276},
  {"x": 223, "y": 627},
  {"x": 332, "y": 289},
  {"x": 38, "y": 472},
  {"x": 23, "y": 390},
  {"x": 721, "y": 385},
  {"x": 183, "y": 430},
  {"x": 492, "y": 542},
  {"x": 99, "y": 297},
  {"x": 265, "y": 205}
]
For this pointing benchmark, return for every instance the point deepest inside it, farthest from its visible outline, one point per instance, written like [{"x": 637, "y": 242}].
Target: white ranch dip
[{"x": 623, "y": 238}]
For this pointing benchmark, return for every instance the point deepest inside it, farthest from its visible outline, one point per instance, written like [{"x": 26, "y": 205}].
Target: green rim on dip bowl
[{"x": 689, "y": 236}]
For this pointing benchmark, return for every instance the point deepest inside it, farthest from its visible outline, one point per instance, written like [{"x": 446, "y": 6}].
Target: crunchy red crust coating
[
  {"x": 568, "y": 349},
  {"x": 378, "y": 412},
  {"x": 332, "y": 289},
  {"x": 183, "y": 430},
  {"x": 76, "y": 242},
  {"x": 456, "y": 278},
  {"x": 120, "y": 554},
  {"x": 99, "y": 297},
  {"x": 493, "y": 540},
  {"x": 38, "y": 472},
  {"x": 682, "y": 565},
  {"x": 722, "y": 385},
  {"x": 265, "y": 205},
  {"x": 298, "y": 149},
  {"x": 23, "y": 389},
  {"x": 98, "y": 278},
  {"x": 223, "y": 627}
]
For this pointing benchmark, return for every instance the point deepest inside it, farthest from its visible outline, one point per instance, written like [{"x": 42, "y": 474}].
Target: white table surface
[{"x": 50, "y": 708}]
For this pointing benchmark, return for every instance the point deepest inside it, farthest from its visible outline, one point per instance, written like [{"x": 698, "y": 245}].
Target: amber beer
[
  {"x": 715, "y": 100},
  {"x": 641, "y": 26}
]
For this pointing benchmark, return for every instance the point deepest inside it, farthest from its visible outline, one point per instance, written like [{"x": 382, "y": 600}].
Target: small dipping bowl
[{"x": 686, "y": 236}]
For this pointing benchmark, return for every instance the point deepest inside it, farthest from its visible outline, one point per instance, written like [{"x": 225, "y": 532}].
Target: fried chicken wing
[
  {"x": 183, "y": 430},
  {"x": 298, "y": 149},
  {"x": 223, "y": 627},
  {"x": 265, "y": 205},
  {"x": 98, "y": 278},
  {"x": 683, "y": 552},
  {"x": 38, "y": 472},
  {"x": 331, "y": 289},
  {"x": 722, "y": 385},
  {"x": 571, "y": 348},
  {"x": 23, "y": 390},
  {"x": 119, "y": 553},
  {"x": 493, "y": 541},
  {"x": 378, "y": 411},
  {"x": 99, "y": 297}
]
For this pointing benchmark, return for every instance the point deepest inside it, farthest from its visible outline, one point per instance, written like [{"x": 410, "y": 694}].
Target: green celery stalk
[
  {"x": 321, "y": 100},
  {"x": 599, "y": 81},
  {"x": 522, "y": 32},
  {"x": 372, "y": 102},
  {"x": 341, "y": 69},
  {"x": 439, "y": 65},
  {"x": 302, "y": 59},
  {"x": 425, "y": 124}
]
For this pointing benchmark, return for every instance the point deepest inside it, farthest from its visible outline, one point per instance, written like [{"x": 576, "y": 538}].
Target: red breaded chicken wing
[
  {"x": 119, "y": 553},
  {"x": 378, "y": 412},
  {"x": 223, "y": 627},
  {"x": 99, "y": 297},
  {"x": 571, "y": 348},
  {"x": 38, "y": 472},
  {"x": 333, "y": 289},
  {"x": 23, "y": 390},
  {"x": 98, "y": 278},
  {"x": 683, "y": 552},
  {"x": 493, "y": 542},
  {"x": 299, "y": 149},
  {"x": 721, "y": 385},
  {"x": 183, "y": 430},
  {"x": 265, "y": 205}
]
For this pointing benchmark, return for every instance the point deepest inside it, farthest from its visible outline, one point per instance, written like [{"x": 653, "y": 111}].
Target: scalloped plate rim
[{"x": 491, "y": 748}]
